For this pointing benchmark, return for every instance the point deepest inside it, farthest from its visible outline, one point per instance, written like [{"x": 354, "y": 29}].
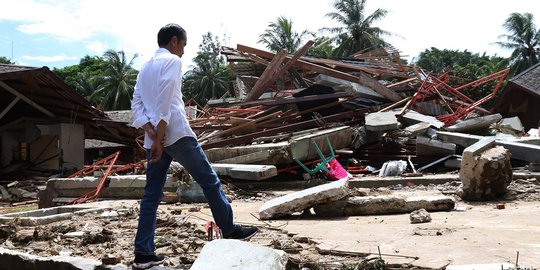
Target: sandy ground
[
  {"x": 479, "y": 234},
  {"x": 472, "y": 233}
]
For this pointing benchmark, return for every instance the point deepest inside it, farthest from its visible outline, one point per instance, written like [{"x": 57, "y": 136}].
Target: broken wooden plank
[
  {"x": 258, "y": 89},
  {"x": 361, "y": 79},
  {"x": 266, "y": 76}
]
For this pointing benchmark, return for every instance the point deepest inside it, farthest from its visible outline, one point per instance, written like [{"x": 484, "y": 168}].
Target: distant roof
[
  {"x": 37, "y": 95},
  {"x": 529, "y": 79}
]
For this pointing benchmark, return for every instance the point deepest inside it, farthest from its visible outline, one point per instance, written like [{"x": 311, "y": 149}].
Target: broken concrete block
[
  {"x": 418, "y": 128},
  {"x": 248, "y": 158},
  {"x": 412, "y": 117},
  {"x": 225, "y": 254},
  {"x": 298, "y": 201},
  {"x": 485, "y": 174},
  {"x": 246, "y": 171},
  {"x": 351, "y": 88},
  {"x": 512, "y": 123},
  {"x": 398, "y": 202},
  {"x": 239, "y": 171},
  {"x": 381, "y": 121},
  {"x": 302, "y": 147},
  {"x": 453, "y": 163},
  {"x": 475, "y": 123},
  {"x": 432, "y": 147},
  {"x": 18, "y": 260},
  {"x": 420, "y": 216},
  {"x": 279, "y": 152}
]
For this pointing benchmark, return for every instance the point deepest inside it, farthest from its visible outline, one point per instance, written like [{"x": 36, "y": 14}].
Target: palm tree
[
  {"x": 203, "y": 83},
  {"x": 357, "y": 31},
  {"x": 118, "y": 83},
  {"x": 524, "y": 39},
  {"x": 280, "y": 34},
  {"x": 210, "y": 76},
  {"x": 87, "y": 84}
]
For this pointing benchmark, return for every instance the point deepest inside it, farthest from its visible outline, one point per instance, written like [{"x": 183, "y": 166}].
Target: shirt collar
[{"x": 162, "y": 50}]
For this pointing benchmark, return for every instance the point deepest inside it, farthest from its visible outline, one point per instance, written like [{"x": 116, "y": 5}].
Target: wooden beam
[
  {"x": 361, "y": 79},
  {"x": 11, "y": 104},
  {"x": 281, "y": 70},
  {"x": 266, "y": 76},
  {"x": 25, "y": 99}
]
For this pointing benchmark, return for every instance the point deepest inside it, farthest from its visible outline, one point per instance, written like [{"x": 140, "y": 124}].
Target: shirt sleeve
[
  {"x": 169, "y": 82},
  {"x": 137, "y": 107}
]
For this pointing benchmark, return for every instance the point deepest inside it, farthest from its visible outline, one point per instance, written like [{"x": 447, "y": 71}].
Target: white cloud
[
  {"x": 96, "y": 47},
  {"x": 49, "y": 59},
  {"x": 132, "y": 26}
]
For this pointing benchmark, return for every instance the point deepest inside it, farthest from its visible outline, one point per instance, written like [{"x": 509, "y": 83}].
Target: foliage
[
  {"x": 356, "y": 31},
  {"x": 86, "y": 77},
  {"x": 106, "y": 82},
  {"x": 437, "y": 61},
  {"x": 464, "y": 67},
  {"x": 280, "y": 34},
  {"x": 210, "y": 77},
  {"x": 5, "y": 60},
  {"x": 322, "y": 48},
  {"x": 524, "y": 39},
  {"x": 118, "y": 82}
]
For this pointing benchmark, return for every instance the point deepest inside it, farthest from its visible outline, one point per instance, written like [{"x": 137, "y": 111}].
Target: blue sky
[{"x": 57, "y": 33}]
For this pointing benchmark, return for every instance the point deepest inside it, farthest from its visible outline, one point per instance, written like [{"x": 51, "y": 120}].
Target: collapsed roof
[{"x": 37, "y": 95}]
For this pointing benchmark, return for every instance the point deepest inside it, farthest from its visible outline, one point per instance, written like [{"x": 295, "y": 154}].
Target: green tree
[
  {"x": 356, "y": 31},
  {"x": 524, "y": 39},
  {"x": 4, "y": 60},
  {"x": 210, "y": 77},
  {"x": 322, "y": 48},
  {"x": 280, "y": 34},
  {"x": 119, "y": 80},
  {"x": 85, "y": 77},
  {"x": 437, "y": 61}
]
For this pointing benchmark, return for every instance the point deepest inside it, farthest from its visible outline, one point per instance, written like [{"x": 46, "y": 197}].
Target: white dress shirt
[{"x": 158, "y": 96}]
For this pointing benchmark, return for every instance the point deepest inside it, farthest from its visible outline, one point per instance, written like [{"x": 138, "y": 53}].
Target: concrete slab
[
  {"x": 23, "y": 261},
  {"x": 519, "y": 150},
  {"x": 418, "y": 128},
  {"x": 432, "y": 147},
  {"x": 49, "y": 215},
  {"x": 217, "y": 154},
  {"x": 512, "y": 123},
  {"x": 381, "y": 121},
  {"x": 302, "y": 147},
  {"x": 248, "y": 158},
  {"x": 246, "y": 171},
  {"x": 351, "y": 88},
  {"x": 475, "y": 123},
  {"x": 298, "y": 201},
  {"x": 398, "y": 202},
  {"x": 224, "y": 254},
  {"x": 412, "y": 117}
]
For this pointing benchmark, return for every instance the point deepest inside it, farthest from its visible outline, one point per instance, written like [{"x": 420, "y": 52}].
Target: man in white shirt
[{"x": 158, "y": 108}]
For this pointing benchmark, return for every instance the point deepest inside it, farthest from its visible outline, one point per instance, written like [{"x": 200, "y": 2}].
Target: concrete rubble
[
  {"x": 301, "y": 200},
  {"x": 234, "y": 254},
  {"x": 410, "y": 153},
  {"x": 398, "y": 203}
]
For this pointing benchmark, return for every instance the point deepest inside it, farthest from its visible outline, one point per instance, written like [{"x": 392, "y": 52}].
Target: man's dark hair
[{"x": 168, "y": 31}]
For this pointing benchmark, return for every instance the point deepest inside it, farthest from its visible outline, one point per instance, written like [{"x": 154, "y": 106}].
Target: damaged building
[{"x": 345, "y": 163}]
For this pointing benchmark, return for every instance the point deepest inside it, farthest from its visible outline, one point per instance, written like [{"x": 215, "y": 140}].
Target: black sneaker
[
  {"x": 147, "y": 261},
  {"x": 242, "y": 233}
]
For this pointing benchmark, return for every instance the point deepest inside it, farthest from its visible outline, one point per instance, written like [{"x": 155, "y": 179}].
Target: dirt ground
[{"x": 473, "y": 233}]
